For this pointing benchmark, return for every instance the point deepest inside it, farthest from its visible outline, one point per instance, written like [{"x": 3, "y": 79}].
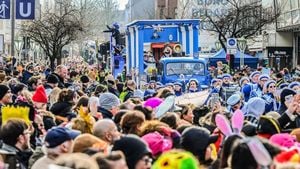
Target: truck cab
[{"x": 183, "y": 69}]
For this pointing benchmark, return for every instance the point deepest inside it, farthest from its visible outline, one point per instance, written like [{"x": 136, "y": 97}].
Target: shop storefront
[{"x": 280, "y": 57}]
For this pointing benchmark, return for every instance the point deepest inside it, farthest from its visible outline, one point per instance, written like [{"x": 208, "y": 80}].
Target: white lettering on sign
[
  {"x": 28, "y": 11},
  {"x": 280, "y": 52}
]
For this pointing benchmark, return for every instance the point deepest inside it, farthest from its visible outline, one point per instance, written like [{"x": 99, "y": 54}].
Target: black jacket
[
  {"x": 105, "y": 113},
  {"x": 16, "y": 158},
  {"x": 287, "y": 124}
]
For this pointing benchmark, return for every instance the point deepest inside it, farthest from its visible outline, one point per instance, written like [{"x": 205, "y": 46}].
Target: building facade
[{"x": 282, "y": 39}]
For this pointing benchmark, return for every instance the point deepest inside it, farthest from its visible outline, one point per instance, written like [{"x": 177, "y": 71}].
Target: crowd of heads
[{"x": 83, "y": 118}]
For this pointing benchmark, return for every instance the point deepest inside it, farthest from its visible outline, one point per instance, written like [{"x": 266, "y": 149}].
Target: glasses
[{"x": 272, "y": 86}]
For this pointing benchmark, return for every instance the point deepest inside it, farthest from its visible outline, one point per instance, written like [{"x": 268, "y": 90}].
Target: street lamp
[
  {"x": 242, "y": 44},
  {"x": 18, "y": 46},
  {"x": 218, "y": 45}
]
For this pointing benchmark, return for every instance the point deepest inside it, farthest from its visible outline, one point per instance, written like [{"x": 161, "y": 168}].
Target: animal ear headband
[{"x": 237, "y": 121}]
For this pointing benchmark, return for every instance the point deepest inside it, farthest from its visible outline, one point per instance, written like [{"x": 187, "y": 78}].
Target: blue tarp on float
[{"x": 249, "y": 60}]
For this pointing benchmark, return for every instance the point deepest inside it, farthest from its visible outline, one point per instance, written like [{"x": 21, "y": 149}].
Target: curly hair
[{"x": 152, "y": 126}]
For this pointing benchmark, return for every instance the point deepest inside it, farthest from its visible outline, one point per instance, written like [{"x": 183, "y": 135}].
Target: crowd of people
[{"x": 83, "y": 118}]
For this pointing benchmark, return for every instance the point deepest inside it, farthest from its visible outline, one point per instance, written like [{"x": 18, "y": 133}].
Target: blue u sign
[{"x": 25, "y": 9}]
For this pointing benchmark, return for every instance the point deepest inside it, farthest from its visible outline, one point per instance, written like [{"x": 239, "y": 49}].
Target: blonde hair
[{"x": 88, "y": 141}]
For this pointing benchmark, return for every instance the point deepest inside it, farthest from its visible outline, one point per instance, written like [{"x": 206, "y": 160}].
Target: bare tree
[
  {"x": 244, "y": 19},
  {"x": 54, "y": 31},
  {"x": 183, "y": 9}
]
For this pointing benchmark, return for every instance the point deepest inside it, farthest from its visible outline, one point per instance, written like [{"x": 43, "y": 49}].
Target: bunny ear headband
[
  {"x": 259, "y": 152},
  {"x": 237, "y": 121}
]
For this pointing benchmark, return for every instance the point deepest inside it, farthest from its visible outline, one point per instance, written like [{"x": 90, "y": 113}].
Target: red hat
[{"x": 40, "y": 95}]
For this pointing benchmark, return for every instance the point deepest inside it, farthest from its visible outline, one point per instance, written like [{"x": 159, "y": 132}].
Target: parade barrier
[{"x": 197, "y": 99}]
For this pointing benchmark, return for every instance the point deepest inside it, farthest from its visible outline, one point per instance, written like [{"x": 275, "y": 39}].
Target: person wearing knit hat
[
  {"x": 295, "y": 86},
  {"x": 198, "y": 140},
  {"x": 286, "y": 97},
  {"x": 136, "y": 151},
  {"x": 5, "y": 96},
  {"x": 258, "y": 91},
  {"x": 254, "y": 109},
  {"x": 178, "y": 88},
  {"x": 254, "y": 76},
  {"x": 176, "y": 159},
  {"x": 40, "y": 98},
  {"x": 52, "y": 82},
  {"x": 269, "y": 96},
  {"x": 109, "y": 105},
  {"x": 283, "y": 140},
  {"x": 153, "y": 102},
  {"x": 244, "y": 80},
  {"x": 157, "y": 143}
]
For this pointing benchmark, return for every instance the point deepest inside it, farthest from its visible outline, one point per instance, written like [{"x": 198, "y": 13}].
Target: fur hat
[
  {"x": 3, "y": 90},
  {"x": 40, "y": 95}
]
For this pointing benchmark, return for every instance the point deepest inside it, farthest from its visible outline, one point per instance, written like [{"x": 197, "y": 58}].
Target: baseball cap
[{"x": 57, "y": 135}]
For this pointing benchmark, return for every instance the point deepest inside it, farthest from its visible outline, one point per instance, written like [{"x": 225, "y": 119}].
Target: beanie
[
  {"x": 108, "y": 101},
  {"x": 52, "y": 79},
  {"x": 153, "y": 102},
  {"x": 285, "y": 92},
  {"x": 157, "y": 143},
  {"x": 133, "y": 147},
  {"x": 243, "y": 79},
  {"x": 3, "y": 90},
  {"x": 267, "y": 84},
  {"x": 293, "y": 84},
  {"x": 84, "y": 79},
  {"x": 264, "y": 76},
  {"x": 40, "y": 95},
  {"x": 254, "y": 73}
]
